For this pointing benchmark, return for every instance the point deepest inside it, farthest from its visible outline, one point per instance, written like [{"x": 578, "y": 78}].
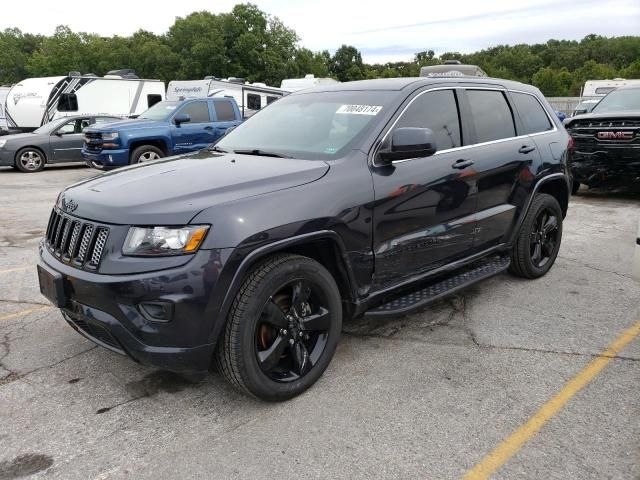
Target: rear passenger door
[
  {"x": 196, "y": 134},
  {"x": 225, "y": 116},
  {"x": 424, "y": 207},
  {"x": 500, "y": 159}
]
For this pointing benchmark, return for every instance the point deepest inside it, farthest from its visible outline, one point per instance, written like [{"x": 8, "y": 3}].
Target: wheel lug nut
[
  {"x": 291, "y": 341},
  {"x": 283, "y": 331}
]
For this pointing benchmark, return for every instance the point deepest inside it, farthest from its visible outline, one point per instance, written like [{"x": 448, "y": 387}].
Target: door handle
[
  {"x": 526, "y": 149},
  {"x": 208, "y": 127},
  {"x": 462, "y": 163}
]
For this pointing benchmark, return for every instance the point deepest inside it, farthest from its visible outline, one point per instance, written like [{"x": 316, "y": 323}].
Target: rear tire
[
  {"x": 575, "y": 186},
  {"x": 146, "y": 153},
  {"x": 30, "y": 160},
  {"x": 538, "y": 242},
  {"x": 282, "y": 329}
]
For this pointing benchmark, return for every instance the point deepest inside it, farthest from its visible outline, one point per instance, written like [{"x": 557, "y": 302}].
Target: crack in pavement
[
  {"x": 20, "y": 376},
  {"x": 595, "y": 268}
]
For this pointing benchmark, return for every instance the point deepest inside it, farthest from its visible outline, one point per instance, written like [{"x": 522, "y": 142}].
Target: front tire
[
  {"x": 146, "y": 153},
  {"x": 538, "y": 242},
  {"x": 30, "y": 160},
  {"x": 282, "y": 329}
]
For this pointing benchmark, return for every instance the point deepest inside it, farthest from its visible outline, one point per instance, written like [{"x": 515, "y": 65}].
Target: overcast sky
[{"x": 382, "y": 30}]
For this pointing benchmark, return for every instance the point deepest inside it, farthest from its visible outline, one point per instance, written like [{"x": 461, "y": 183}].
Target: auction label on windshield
[{"x": 360, "y": 109}]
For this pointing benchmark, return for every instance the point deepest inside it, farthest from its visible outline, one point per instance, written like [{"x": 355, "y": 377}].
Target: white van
[
  {"x": 34, "y": 102},
  {"x": 309, "y": 80},
  {"x": 250, "y": 97}
]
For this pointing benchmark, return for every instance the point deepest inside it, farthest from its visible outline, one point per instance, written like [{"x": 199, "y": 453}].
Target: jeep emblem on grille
[
  {"x": 68, "y": 205},
  {"x": 614, "y": 135}
]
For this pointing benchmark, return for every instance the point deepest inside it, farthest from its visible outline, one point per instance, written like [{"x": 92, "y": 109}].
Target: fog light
[{"x": 157, "y": 311}]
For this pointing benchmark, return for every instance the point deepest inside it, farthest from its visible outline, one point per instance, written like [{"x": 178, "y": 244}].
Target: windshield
[
  {"x": 160, "y": 111},
  {"x": 310, "y": 126},
  {"x": 51, "y": 126},
  {"x": 624, "y": 100}
]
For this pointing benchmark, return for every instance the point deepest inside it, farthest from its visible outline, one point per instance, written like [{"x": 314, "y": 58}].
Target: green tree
[{"x": 346, "y": 64}]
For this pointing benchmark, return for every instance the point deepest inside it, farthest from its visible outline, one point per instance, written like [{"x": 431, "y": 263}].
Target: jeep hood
[{"x": 173, "y": 190}]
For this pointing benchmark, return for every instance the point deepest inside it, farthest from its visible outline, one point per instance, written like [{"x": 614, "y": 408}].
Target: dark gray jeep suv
[{"x": 361, "y": 198}]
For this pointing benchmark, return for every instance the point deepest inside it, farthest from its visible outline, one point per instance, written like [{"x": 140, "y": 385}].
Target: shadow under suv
[{"x": 362, "y": 198}]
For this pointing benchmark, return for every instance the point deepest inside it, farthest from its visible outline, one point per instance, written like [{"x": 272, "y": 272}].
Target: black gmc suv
[
  {"x": 361, "y": 198},
  {"x": 607, "y": 142}
]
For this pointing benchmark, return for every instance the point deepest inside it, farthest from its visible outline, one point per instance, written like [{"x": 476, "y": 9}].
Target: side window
[
  {"x": 437, "y": 111},
  {"x": 271, "y": 99},
  {"x": 104, "y": 120},
  {"x": 81, "y": 124},
  {"x": 198, "y": 111},
  {"x": 533, "y": 117},
  {"x": 491, "y": 115},
  {"x": 224, "y": 111},
  {"x": 68, "y": 128},
  {"x": 68, "y": 102},
  {"x": 253, "y": 101},
  {"x": 152, "y": 99}
]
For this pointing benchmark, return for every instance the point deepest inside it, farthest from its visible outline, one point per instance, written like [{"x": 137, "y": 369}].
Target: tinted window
[
  {"x": 531, "y": 113},
  {"x": 271, "y": 99},
  {"x": 224, "y": 111},
  {"x": 253, "y": 101},
  {"x": 160, "y": 111},
  {"x": 152, "y": 99},
  {"x": 68, "y": 102},
  {"x": 198, "y": 111},
  {"x": 437, "y": 111},
  {"x": 491, "y": 115}
]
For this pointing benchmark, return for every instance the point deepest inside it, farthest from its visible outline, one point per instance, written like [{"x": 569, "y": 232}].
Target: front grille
[
  {"x": 75, "y": 241},
  {"x": 599, "y": 124},
  {"x": 93, "y": 141}
]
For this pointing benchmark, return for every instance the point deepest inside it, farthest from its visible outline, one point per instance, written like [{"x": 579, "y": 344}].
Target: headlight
[
  {"x": 2, "y": 143},
  {"x": 161, "y": 241},
  {"x": 110, "y": 136}
]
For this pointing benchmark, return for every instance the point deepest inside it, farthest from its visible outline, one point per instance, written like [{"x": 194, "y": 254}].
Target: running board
[{"x": 418, "y": 299}]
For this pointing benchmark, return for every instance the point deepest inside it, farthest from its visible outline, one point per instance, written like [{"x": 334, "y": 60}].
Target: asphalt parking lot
[{"x": 429, "y": 395}]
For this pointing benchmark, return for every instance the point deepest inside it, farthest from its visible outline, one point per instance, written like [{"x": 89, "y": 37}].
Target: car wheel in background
[
  {"x": 575, "y": 186},
  {"x": 536, "y": 246},
  {"x": 29, "y": 160},
  {"x": 282, "y": 329},
  {"x": 146, "y": 153}
]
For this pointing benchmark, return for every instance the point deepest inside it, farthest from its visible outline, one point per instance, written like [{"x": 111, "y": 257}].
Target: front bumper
[
  {"x": 7, "y": 157},
  {"x": 106, "y": 309},
  {"x": 609, "y": 166},
  {"x": 107, "y": 158}
]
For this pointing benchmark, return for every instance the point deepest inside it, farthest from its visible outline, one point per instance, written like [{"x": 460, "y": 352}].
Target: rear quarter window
[
  {"x": 491, "y": 115},
  {"x": 534, "y": 119}
]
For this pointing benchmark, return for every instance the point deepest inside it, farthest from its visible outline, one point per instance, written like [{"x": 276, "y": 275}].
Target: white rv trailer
[
  {"x": 599, "y": 88},
  {"x": 250, "y": 97},
  {"x": 309, "y": 80},
  {"x": 34, "y": 102},
  {"x": 3, "y": 119}
]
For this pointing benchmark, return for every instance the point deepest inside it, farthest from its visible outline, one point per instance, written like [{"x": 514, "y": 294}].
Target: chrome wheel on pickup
[{"x": 146, "y": 153}]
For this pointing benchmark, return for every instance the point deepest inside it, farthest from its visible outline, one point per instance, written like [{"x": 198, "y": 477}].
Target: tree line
[{"x": 251, "y": 44}]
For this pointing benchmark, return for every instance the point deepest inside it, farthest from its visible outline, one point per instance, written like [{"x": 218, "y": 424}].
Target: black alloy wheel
[
  {"x": 293, "y": 330},
  {"x": 544, "y": 238}
]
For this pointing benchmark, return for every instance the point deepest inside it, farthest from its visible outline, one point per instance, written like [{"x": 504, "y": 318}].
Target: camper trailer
[
  {"x": 3, "y": 119},
  {"x": 34, "y": 102},
  {"x": 452, "y": 68},
  {"x": 250, "y": 97},
  {"x": 599, "y": 88},
  {"x": 309, "y": 81}
]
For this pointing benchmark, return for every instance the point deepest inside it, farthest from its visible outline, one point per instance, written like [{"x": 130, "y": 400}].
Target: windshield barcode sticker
[{"x": 360, "y": 109}]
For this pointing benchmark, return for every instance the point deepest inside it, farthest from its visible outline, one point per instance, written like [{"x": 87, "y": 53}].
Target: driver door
[
  {"x": 198, "y": 132},
  {"x": 66, "y": 142},
  {"x": 424, "y": 213}
]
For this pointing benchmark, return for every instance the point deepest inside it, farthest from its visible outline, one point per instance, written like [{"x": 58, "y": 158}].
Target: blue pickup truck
[{"x": 167, "y": 128}]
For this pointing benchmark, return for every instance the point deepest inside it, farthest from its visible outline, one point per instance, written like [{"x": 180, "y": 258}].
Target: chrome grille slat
[{"x": 75, "y": 241}]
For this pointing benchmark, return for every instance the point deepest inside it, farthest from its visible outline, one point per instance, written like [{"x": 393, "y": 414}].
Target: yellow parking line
[
  {"x": 501, "y": 454},
  {"x": 24, "y": 312},
  {"x": 17, "y": 269}
]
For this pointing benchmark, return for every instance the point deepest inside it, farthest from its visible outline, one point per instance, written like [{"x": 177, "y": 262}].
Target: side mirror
[
  {"x": 58, "y": 133},
  {"x": 408, "y": 142},
  {"x": 181, "y": 118}
]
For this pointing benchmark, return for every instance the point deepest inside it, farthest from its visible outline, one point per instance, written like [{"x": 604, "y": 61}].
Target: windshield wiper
[
  {"x": 261, "y": 153},
  {"x": 215, "y": 148}
]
